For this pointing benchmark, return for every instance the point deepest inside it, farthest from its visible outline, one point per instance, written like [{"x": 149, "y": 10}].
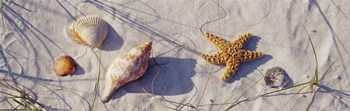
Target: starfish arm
[
  {"x": 247, "y": 55},
  {"x": 231, "y": 68},
  {"x": 220, "y": 43},
  {"x": 239, "y": 42},
  {"x": 219, "y": 58}
]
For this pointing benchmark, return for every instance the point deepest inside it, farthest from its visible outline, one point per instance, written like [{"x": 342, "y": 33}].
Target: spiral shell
[
  {"x": 64, "y": 66},
  {"x": 89, "y": 31},
  {"x": 129, "y": 67},
  {"x": 276, "y": 77}
]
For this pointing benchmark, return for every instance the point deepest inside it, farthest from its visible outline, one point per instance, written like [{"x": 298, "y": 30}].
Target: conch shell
[
  {"x": 129, "y": 67},
  {"x": 89, "y": 31}
]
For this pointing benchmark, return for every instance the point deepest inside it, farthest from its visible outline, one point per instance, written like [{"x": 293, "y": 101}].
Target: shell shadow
[
  {"x": 79, "y": 69},
  {"x": 291, "y": 82},
  {"x": 173, "y": 77},
  {"x": 113, "y": 40},
  {"x": 251, "y": 44}
]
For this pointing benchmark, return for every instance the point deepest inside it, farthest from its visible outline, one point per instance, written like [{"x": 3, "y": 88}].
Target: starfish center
[{"x": 231, "y": 53}]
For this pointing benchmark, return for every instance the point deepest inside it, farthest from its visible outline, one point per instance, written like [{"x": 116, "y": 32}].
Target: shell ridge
[{"x": 92, "y": 31}]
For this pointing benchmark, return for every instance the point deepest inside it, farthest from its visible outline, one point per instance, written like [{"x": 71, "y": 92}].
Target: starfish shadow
[{"x": 252, "y": 43}]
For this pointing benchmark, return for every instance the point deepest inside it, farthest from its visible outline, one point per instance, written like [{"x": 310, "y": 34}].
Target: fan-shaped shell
[
  {"x": 90, "y": 31},
  {"x": 276, "y": 77},
  {"x": 129, "y": 67},
  {"x": 64, "y": 66}
]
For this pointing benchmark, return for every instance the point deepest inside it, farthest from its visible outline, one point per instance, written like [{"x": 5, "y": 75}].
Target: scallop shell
[
  {"x": 129, "y": 67},
  {"x": 89, "y": 31},
  {"x": 276, "y": 77},
  {"x": 64, "y": 66}
]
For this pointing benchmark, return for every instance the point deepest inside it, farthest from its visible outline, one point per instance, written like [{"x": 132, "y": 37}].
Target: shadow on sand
[
  {"x": 113, "y": 40},
  {"x": 174, "y": 78}
]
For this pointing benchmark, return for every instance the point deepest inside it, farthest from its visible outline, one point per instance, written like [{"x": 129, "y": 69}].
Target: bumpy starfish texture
[{"x": 230, "y": 53}]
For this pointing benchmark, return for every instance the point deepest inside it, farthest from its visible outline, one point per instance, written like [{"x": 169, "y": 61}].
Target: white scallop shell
[
  {"x": 129, "y": 67},
  {"x": 90, "y": 31},
  {"x": 276, "y": 77}
]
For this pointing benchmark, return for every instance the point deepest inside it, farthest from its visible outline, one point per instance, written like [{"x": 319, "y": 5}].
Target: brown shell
[{"x": 64, "y": 66}]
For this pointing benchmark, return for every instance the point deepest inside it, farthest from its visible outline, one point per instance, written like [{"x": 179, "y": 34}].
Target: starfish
[{"x": 230, "y": 53}]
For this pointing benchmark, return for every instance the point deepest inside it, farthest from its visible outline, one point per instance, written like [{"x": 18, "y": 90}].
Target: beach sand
[{"x": 34, "y": 34}]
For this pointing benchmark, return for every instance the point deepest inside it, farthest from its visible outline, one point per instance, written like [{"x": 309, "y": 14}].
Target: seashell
[
  {"x": 129, "y": 67},
  {"x": 64, "y": 66},
  {"x": 276, "y": 77},
  {"x": 89, "y": 31}
]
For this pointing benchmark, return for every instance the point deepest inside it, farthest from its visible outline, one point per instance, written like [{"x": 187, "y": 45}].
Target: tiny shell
[
  {"x": 89, "y": 31},
  {"x": 64, "y": 66},
  {"x": 276, "y": 77},
  {"x": 129, "y": 67}
]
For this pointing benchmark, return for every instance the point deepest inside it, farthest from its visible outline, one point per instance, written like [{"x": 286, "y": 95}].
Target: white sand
[{"x": 36, "y": 34}]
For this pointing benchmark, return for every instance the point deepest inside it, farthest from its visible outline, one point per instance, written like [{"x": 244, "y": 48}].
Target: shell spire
[{"x": 127, "y": 68}]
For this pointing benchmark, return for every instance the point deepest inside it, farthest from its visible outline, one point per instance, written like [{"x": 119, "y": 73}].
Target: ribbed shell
[
  {"x": 129, "y": 67},
  {"x": 90, "y": 31},
  {"x": 276, "y": 77}
]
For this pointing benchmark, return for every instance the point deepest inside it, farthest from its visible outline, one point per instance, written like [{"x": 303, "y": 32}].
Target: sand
[{"x": 34, "y": 34}]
